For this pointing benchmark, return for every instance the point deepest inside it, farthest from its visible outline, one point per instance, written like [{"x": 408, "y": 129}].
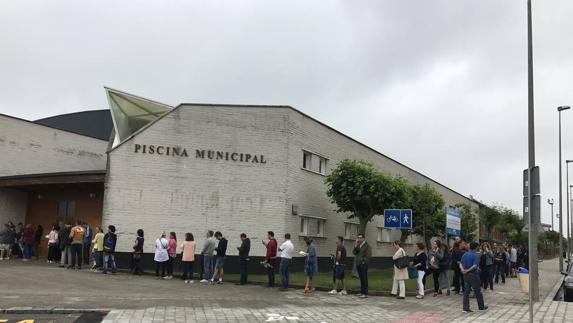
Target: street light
[
  {"x": 550, "y": 201},
  {"x": 568, "y": 206},
  {"x": 559, "y": 109}
]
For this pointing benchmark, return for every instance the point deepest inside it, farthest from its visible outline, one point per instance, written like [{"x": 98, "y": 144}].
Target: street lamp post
[
  {"x": 568, "y": 206},
  {"x": 550, "y": 201},
  {"x": 559, "y": 109}
]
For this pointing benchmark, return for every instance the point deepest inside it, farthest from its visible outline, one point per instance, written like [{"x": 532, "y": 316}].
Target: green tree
[
  {"x": 429, "y": 219},
  {"x": 469, "y": 222},
  {"x": 361, "y": 191},
  {"x": 509, "y": 222},
  {"x": 489, "y": 218}
]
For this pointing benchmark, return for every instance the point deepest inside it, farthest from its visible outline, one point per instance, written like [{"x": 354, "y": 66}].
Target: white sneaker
[
  {"x": 343, "y": 292},
  {"x": 191, "y": 281},
  {"x": 203, "y": 281},
  {"x": 1, "y": 258},
  {"x": 187, "y": 282},
  {"x": 333, "y": 292}
]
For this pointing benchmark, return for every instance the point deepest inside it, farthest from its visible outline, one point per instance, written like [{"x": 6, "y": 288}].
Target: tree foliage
[
  {"x": 427, "y": 206},
  {"x": 361, "y": 191},
  {"x": 469, "y": 223}
]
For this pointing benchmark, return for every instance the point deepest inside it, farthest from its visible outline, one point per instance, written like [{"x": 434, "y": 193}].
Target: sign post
[{"x": 398, "y": 218}]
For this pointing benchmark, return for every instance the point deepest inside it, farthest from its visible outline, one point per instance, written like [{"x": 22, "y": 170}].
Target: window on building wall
[
  {"x": 312, "y": 227},
  {"x": 306, "y": 160},
  {"x": 66, "y": 211},
  {"x": 322, "y": 165},
  {"x": 350, "y": 230},
  {"x": 384, "y": 235}
]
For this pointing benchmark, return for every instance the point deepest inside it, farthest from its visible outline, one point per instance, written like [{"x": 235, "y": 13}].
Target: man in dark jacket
[
  {"x": 362, "y": 252},
  {"x": 109, "y": 242},
  {"x": 65, "y": 245},
  {"x": 221, "y": 251},
  {"x": 244, "y": 250},
  {"x": 457, "y": 253}
]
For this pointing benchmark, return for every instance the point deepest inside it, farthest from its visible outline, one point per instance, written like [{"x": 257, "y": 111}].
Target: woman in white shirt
[{"x": 161, "y": 255}]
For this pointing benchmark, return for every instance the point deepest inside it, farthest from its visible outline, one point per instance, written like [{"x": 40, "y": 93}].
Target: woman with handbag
[
  {"x": 419, "y": 263},
  {"x": 435, "y": 259},
  {"x": 400, "y": 273},
  {"x": 137, "y": 252}
]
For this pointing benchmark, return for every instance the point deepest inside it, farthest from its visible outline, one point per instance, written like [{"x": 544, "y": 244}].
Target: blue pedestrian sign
[{"x": 398, "y": 219}]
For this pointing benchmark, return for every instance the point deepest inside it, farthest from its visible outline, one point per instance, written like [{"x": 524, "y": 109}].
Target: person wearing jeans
[
  {"x": 208, "y": 251},
  {"x": 109, "y": 242},
  {"x": 244, "y": 250},
  {"x": 271, "y": 257},
  {"x": 287, "y": 251},
  {"x": 487, "y": 266},
  {"x": 469, "y": 266},
  {"x": 457, "y": 253},
  {"x": 500, "y": 260},
  {"x": 77, "y": 234},
  {"x": 362, "y": 253},
  {"x": 419, "y": 262}
]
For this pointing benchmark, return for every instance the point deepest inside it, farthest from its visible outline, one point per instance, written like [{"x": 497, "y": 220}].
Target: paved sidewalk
[{"x": 145, "y": 299}]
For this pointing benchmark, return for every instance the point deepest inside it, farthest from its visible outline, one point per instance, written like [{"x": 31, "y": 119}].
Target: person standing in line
[
  {"x": 77, "y": 234},
  {"x": 512, "y": 261},
  {"x": 419, "y": 261},
  {"x": 161, "y": 255},
  {"x": 400, "y": 274},
  {"x": 53, "y": 243},
  {"x": 469, "y": 266},
  {"x": 362, "y": 253},
  {"x": 97, "y": 254},
  {"x": 172, "y": 252},
  {"x": 109, "y": 243},
  {"x": 435, "y": 259},
  {"x": 138, "y": 253},
  {"x": 244, "y": 250},
  {"x": 28, "y": 241},
  {"x": 310, "y": 265},
  {"x": 188, "y": 257},
  {"x": 500, "y": 258},
  {"x": 38, "y": 234},
  {"x": 208, "y": 250},
  {"x": 445, "y": 264},
  {"x": 457, "y": 254},
  {"x": 339, "y": 268},
  {"x": 65, "y": 247},
  {"x": 7, "y": 238},
  {"x": 287, "y": 251},
  {"x": 271, "y": 257},
  {"x": 220, "y": 259},
  {"x": 486, "y": 263},
  {"x": 87, "y": 243},
  {"x": 19, "y": 240}
]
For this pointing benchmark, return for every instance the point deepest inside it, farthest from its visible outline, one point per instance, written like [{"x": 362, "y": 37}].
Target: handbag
[
  {"x": 412, "y": 272},
  {"x": 402, "y": 262}
]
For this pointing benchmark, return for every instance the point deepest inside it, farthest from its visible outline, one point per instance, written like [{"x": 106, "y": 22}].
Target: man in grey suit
[{"x": 362, "y": 252}]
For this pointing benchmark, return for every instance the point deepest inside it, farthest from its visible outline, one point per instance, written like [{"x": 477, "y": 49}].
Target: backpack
[{"x": 108, "y": 243}]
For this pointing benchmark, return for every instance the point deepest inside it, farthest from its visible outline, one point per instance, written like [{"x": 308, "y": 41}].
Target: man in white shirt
[
  {"x": 287, "y": 251},
  {"x": 512, "y": 260}
]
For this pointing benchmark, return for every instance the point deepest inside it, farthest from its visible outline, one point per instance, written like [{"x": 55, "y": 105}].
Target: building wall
[
  {"x": 13, "y": 206},
  {"x": 28, "y": 148},
  {"x": 307, "y": 189},
  {"x": 192, "y": 194}
]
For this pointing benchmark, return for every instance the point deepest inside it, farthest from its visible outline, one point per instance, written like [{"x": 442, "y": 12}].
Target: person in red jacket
[{"x": 271, "y": 257}]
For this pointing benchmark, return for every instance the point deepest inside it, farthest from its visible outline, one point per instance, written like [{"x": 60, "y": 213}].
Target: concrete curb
[{"x": 48, "y": 310}]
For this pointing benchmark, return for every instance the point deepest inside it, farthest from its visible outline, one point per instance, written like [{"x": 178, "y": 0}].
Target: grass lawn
[{"x": 378, "y": 280}]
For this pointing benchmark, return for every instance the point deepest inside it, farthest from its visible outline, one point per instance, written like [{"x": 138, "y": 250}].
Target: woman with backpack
[
  {"x": 161, "y": 256},
  {"x": 445, "y": 269},
  {"x": 437, "y": 254},
  {"x": 137, "y": 253},
  {"x": 400, "y": 274}
]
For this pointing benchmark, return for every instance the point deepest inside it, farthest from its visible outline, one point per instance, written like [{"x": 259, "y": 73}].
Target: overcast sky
[{"x": 441, "y": 86}]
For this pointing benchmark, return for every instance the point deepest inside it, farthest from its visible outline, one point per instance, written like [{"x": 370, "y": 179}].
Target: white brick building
[{"x": 199, "y": 167}]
